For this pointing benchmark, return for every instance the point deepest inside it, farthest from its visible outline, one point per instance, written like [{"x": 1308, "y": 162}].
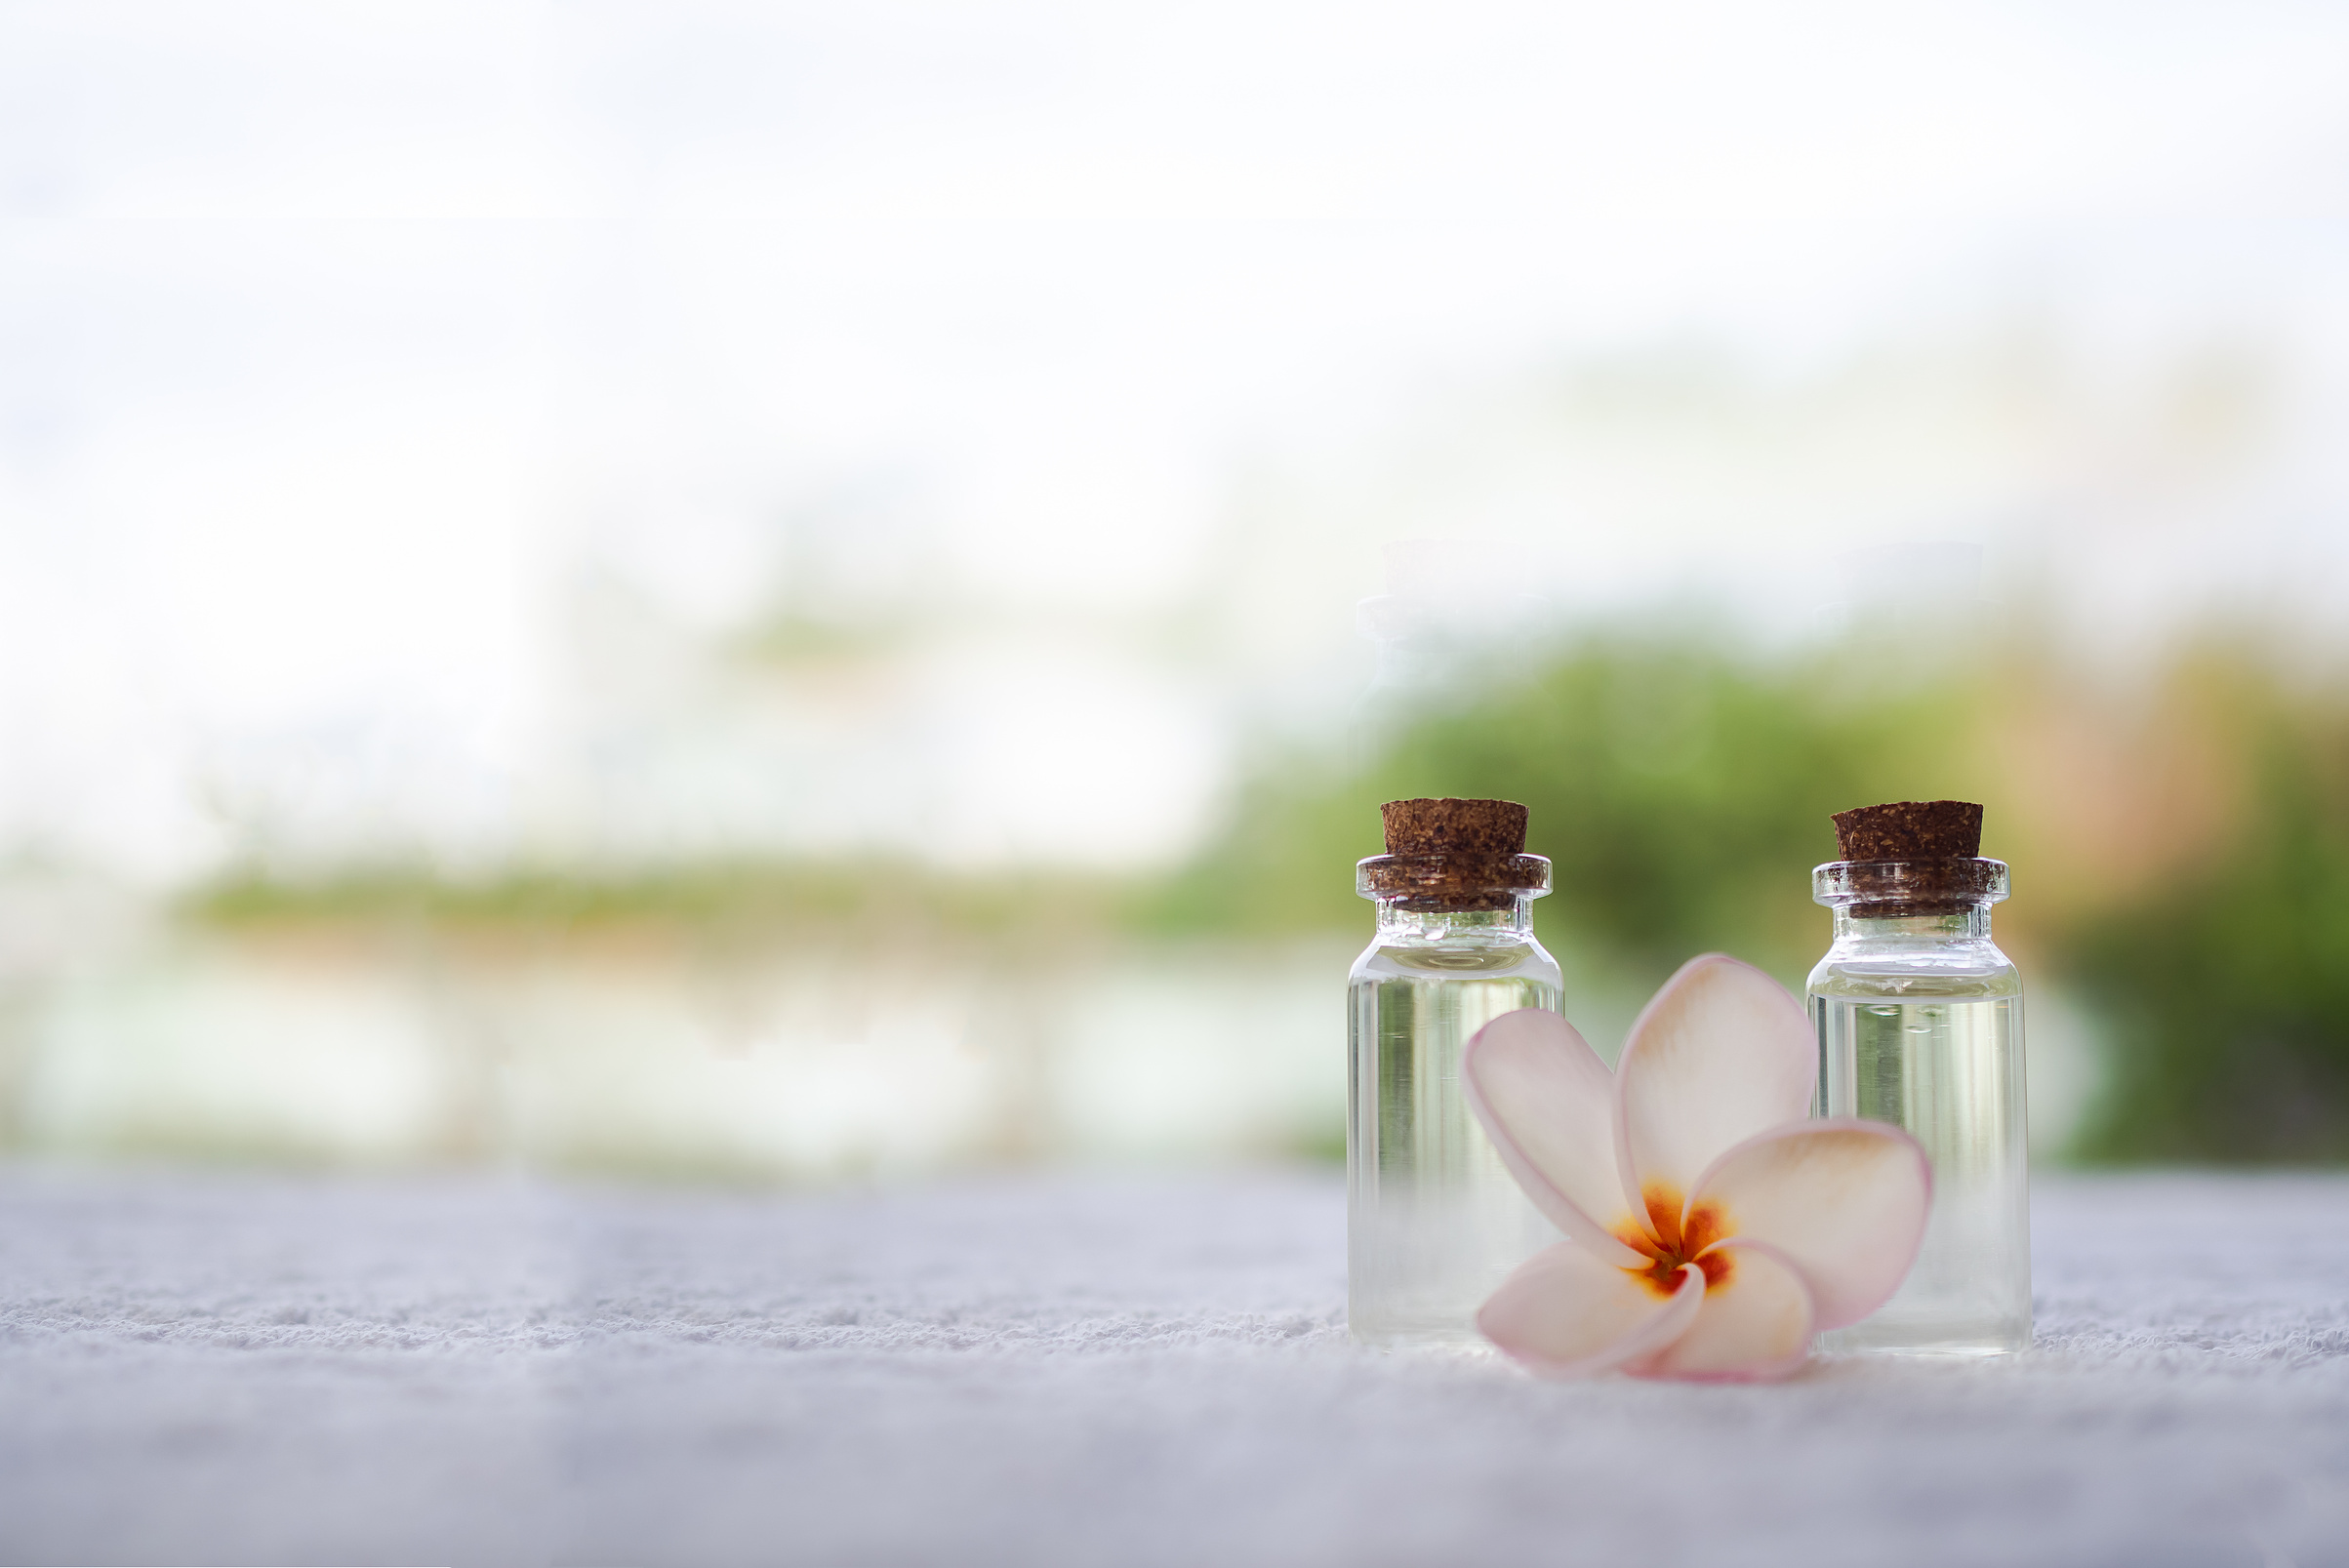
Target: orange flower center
[{"x": 1674, "y": 1245}]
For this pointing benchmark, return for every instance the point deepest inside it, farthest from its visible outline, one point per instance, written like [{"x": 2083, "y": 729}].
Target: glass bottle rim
[
  {"x": 1441, "y": 878},
  {"x": 1920, "y": 884}
]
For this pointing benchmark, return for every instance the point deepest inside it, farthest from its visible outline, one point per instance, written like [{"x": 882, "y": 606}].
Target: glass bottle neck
[
  {"x": 1395, "y": 923},
  {"x": 1969, "y": 925},
  {"x": 1942, "y": 955}
]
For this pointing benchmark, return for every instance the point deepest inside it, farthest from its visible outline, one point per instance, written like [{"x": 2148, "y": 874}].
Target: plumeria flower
[{"x": 1712, "y": 1225}]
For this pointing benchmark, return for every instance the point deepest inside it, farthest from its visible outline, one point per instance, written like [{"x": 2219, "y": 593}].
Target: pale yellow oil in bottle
[{"x": 1434, "y": 1221}]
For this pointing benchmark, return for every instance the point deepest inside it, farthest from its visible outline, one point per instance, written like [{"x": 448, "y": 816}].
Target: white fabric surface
[{"x": 1088, "y": 1370}]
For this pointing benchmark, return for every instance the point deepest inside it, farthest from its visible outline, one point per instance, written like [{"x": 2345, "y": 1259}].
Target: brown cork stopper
[
  {"x": 1448, "y": 826},
  {"x": 1910, "y": 830},
  {"x": 1920, "y": 857},
  {"x": 1450, "y": 854}
]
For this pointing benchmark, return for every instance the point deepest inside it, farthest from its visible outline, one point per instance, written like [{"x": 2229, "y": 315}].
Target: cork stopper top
[
  {"x": 1450, "y": 826},
  {"x": 1448, "y": 854},
  {"x": 1910, "y": 858},
  {"x": 1911, "y": 830}
]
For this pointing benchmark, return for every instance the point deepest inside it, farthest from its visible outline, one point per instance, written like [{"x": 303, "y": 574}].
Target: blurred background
[{"x": 813, "y": 591}]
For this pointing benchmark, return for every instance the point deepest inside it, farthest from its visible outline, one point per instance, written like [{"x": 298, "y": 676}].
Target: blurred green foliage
[
  {"x": 1683, "y": 791},
  {"x": 1682, "y": 788},
  {"x": 2224, "y": 995},
  {"x": 743, "y": 901}
]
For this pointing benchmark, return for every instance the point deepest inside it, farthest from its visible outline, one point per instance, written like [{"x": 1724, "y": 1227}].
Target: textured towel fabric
[{"x": 1087, "y": 1370}]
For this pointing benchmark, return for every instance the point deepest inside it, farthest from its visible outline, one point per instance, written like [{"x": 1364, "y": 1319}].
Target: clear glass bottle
[
  {"x": 1919, "y": 1021},
  {"x": 1434, "y": 1222}
]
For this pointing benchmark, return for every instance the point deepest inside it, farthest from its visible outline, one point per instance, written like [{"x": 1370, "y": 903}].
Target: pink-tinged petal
[
  {"x": 1566, "y": 1313},
  {"x": 1720, "y": 1053},
  {"x": 1755, "y": 1324},
  {"x": 1548, "y": 1103},
  {"x": 1844, "y": 1199}
]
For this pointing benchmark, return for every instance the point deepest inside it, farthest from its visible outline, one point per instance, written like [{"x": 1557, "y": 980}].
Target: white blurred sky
[{"x": 340, "y": 344}]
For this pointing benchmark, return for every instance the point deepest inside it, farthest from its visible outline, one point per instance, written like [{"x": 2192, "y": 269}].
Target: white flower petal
[
  {"x": 1844, "y": 1199},
  {"x": 1549, "y": 1104},
  {"x": 1566, "y": 1313},
  {"x": 1720, "y": 1053},
  {"x": 1755, "y": 1323}
]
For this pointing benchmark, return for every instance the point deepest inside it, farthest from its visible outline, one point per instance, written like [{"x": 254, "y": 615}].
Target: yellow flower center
[{"x": 1675, "y": 1246}]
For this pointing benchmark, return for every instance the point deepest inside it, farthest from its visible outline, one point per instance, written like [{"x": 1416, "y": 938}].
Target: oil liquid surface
[
  {"x": 1949, "y": 1069},
  {"x": 1434, "y": 1221}
]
